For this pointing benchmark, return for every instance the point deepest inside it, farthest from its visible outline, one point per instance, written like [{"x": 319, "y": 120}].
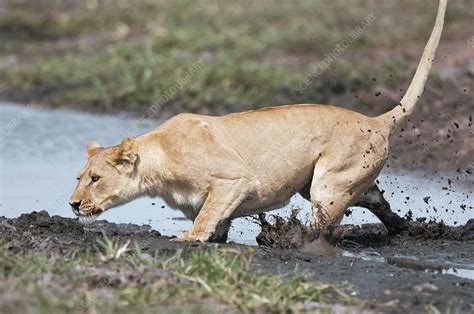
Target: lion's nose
[{"x": 75, "y": 204}]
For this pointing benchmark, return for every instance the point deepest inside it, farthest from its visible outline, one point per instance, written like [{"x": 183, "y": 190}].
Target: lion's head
[{"x": 107, "y": 180}]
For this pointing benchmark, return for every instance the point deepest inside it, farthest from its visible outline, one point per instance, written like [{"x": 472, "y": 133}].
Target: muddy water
[
  {"x": 41, "y": 151},
  {"x": 436, "y": 266}
]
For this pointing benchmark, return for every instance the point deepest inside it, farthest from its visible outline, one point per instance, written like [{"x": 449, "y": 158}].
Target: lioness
[{"x": 218, "y": 168}]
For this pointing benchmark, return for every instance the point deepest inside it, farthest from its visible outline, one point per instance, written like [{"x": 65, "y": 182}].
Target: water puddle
[
  {"x": 428, "y": 266},
  {"x": 432, "y": 266},
  {"x": 41, "y": 151}
]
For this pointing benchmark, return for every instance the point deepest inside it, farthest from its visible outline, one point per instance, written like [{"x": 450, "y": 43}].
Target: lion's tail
[{"x": 401, "y": 112}]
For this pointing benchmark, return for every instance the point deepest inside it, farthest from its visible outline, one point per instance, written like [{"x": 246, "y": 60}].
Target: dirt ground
[{"x": 393, "y": 273}]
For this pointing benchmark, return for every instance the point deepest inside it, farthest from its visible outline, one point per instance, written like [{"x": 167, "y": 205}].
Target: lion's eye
[
  {"x": 95, "y": 178},
  {"x": 78, "y": 178}
]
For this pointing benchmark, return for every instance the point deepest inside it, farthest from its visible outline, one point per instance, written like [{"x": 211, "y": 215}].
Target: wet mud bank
[{"x": 427, "y": 266}]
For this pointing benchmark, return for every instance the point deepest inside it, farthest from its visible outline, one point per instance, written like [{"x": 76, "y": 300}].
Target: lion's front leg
[
  {"x": 218, "y": 236},
  {"x": 225, "y": 195}
]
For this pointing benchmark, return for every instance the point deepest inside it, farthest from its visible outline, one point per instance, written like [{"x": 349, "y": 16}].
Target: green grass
[
  {"x": 117, "y": 280},
  {"x": 122, "y": 55}
]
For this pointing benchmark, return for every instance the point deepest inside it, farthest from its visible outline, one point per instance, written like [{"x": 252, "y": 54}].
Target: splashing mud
[
  {"x": 292, "y": 233},
  {"x": 282, "y": 233}
]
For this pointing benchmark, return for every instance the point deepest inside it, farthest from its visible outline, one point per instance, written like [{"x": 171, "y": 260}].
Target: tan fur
[{"x": 218, "y": 168}]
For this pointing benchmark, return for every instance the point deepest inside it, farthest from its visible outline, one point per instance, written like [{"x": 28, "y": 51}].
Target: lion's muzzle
[{"x": 75, "y": 205}]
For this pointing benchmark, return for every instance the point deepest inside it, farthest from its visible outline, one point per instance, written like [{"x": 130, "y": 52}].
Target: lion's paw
[{"x": 190, "y": 236}]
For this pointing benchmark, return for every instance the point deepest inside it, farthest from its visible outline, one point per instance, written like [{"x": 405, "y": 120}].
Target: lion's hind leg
[
  {"x": 331, "y": 195},
  {"x": 373, "y": 200},
  {"x": 336, "y": 184}
]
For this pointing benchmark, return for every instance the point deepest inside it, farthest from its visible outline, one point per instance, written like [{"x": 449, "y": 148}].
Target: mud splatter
[
  {"x": 282, "y": 233},
  {"x": 291, "y": 233}
]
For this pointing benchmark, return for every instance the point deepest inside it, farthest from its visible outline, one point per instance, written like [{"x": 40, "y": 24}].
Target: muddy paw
[
  {"x": 320, "y": 246},
  {"x": 190, "y": 236}
]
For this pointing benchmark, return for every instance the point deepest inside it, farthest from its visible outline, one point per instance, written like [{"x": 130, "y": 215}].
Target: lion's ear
[
  {"x": 127, "y": 155},
  {"x": 92, "y": 149},
  {"x": 129, "y": 150}
]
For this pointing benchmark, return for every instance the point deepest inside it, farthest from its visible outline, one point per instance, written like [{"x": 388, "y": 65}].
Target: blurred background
[{"x": 119, "y": 67}]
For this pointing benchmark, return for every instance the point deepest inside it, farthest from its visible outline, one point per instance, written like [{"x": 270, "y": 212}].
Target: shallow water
[
  {"x": 435, "y": 266},
  {"x": 42, "y": 150}
]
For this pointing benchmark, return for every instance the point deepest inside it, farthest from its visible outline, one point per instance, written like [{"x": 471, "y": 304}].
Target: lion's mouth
[
  {"x": 88, "y": 216},
  {"x": 88, "y": 219}
]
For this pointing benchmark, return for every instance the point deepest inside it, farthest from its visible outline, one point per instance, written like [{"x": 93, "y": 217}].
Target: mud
[
  {"x": 427, "y": 266},
  {"x": 282, "y": 233}
]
